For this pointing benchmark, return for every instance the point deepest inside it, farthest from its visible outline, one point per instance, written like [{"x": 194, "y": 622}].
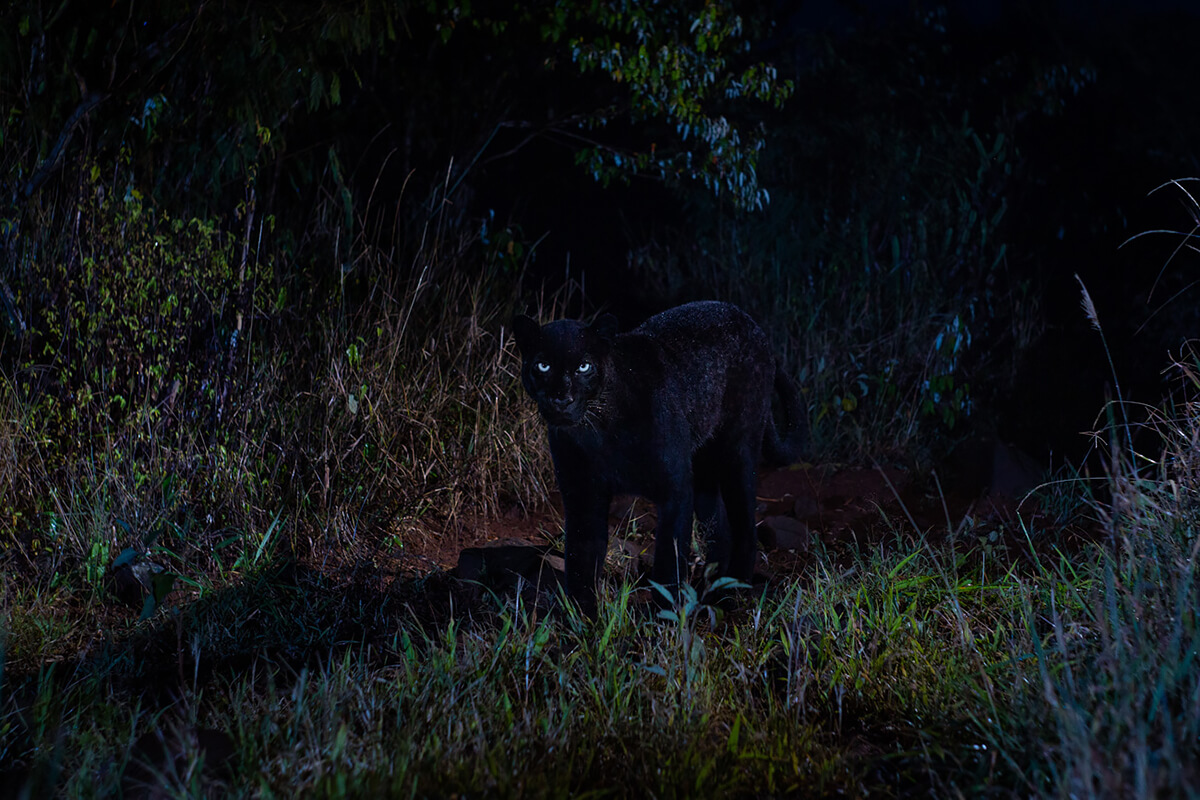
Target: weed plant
[
  {"x": 172, "y": 395},
  {"x": 1116, "y": 689},
  {"x": 877, "y": 314}
]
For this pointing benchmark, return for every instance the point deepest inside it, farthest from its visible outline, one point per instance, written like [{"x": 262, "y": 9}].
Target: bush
[{"x": 174, "y": 389}]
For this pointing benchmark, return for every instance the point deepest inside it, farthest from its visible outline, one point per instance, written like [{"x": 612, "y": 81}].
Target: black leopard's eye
[
  {"x": 584, "y": 367},
  {"x": 541, "y": 366}
]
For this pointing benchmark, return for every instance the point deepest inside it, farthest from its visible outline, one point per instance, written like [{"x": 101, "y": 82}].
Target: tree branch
[{"x": 54, "y": 159}]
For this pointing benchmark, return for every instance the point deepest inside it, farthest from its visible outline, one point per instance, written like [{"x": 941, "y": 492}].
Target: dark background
[
  {"x": 440, "y": 116},
  {"x": 1087, "y": 172}
]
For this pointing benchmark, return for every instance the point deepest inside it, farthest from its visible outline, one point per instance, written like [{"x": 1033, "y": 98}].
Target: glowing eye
[
  {"x": 541, "y": 366},
  {"x": 584, "y": 366}
]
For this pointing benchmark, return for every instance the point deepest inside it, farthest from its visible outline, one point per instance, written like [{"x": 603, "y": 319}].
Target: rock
[
  {"x": 783, "y": 533},
  {"x": 1014, "y": 472},
  {"x": 771, "y": 506},
  {"x": 132, "y": 577},
  {"x": 986, "y": 465},
  {"x": 502, "y": 566},
  {"x": 968, "y": 468}
]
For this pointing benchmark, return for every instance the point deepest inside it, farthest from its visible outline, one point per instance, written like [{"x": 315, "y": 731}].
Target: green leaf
[
  {"x": 127, "y": 556},
  {"x": 149, "y": 605},
  {"x": 335, "y": 89},
  {"x": 162, "y": 584}
]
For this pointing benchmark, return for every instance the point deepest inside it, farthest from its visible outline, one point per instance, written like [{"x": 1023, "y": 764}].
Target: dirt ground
[{"x": 842, "y": 509}]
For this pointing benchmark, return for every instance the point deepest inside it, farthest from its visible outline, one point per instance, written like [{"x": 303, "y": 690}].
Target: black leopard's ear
[
  {"x": 527, "y": 333},
  {"x": 605, "y": 327}
]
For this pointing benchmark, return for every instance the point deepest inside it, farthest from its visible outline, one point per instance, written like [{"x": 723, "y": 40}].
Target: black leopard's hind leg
[
  {"x": 739, "y": 483},
  {"x": 673, "y": 537},
  {"x": 711, "y": 518}
]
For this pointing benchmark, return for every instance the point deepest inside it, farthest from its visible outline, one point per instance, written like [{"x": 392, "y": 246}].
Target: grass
[
  {"x": 911, "y": 667},
  {"x": 1117, "y": 654},
  {"x": 352, "y": 432},
  {"x": 299, "y": 485},
  {"x": 838, "y": 685}
]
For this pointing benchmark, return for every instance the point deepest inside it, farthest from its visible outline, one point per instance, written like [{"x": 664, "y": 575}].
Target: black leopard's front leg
[{"x": 586, "y": 543}]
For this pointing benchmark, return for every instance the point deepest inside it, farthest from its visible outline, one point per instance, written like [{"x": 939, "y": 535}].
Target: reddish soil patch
[{"x": 844, "y": 509}]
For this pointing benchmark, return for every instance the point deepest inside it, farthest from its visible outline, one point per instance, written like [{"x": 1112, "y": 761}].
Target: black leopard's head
[{"x": 563, "y": 364}]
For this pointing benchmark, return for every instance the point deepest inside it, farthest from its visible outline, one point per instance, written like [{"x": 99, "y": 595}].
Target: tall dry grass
[{"x": 213, "y": 414}]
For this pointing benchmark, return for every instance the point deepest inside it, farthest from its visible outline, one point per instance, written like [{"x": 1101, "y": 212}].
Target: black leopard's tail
[{"x": 788, "y": 446}]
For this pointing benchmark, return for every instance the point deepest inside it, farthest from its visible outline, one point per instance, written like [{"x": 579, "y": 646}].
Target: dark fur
[{"x": 678, "y": 411}]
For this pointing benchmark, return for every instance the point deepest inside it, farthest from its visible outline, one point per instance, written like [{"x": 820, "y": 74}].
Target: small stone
[
  {"x": 783, "y": 533},
  {"x": 131, "y": 579},
  {"x": 500, "y": 566}
]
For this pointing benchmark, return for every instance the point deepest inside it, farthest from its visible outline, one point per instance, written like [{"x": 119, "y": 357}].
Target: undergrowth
[
  {"x": 886, "y": 279},
  {"x": 283, "y": 476},
  {"x": 866, "y": 681},
  {"x": 1116, "y": 687},
  {"x": 170, "y": 391},
  {"x": 276, "y": 425},
  {"x": 914, "y": 667}
]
